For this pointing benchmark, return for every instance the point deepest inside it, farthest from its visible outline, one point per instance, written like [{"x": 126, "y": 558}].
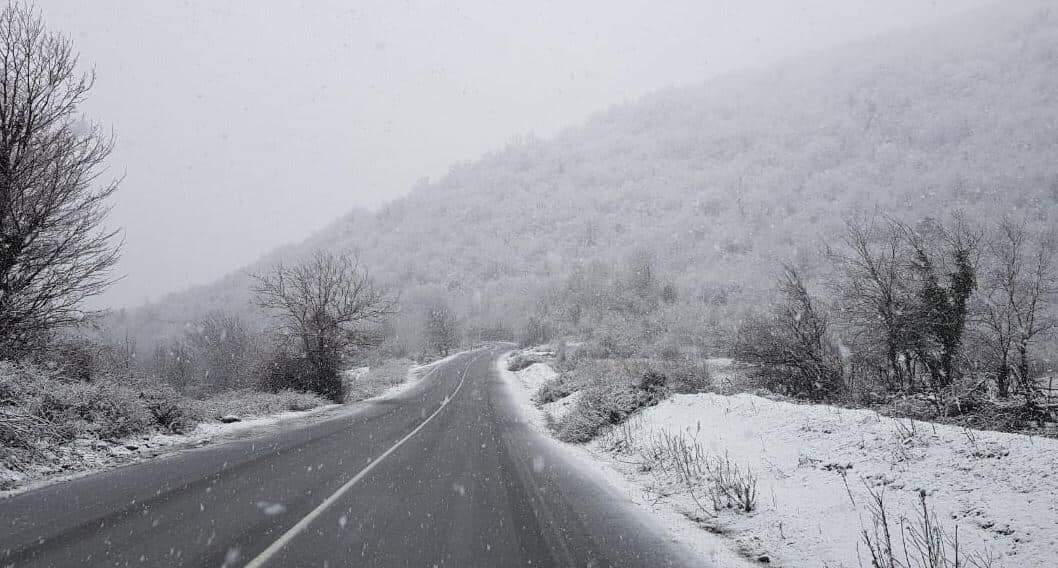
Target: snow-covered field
[{"x": 816, "y": 465}]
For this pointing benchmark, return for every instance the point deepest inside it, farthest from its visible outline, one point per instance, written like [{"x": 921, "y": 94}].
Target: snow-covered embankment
[{"x": 817, "y": 466}]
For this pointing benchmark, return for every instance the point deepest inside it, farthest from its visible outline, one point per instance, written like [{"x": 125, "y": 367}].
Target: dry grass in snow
[
  {"x": 819, "y": 470},
  {"x": 803, "y": 485}
]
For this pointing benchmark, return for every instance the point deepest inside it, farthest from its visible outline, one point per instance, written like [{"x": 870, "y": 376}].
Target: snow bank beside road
[
  {"x": 535, "y": 376},
  {"x": 230, "y": 416},
  {"x": 85, "y": 456},
  {"x": 524, "y": 385},
  {"x": 816, "y": 466},
  {"x": 812, "y": 462}
]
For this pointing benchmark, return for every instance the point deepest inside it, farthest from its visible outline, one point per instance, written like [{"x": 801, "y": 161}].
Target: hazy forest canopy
[{"x": 716, "y": 184}]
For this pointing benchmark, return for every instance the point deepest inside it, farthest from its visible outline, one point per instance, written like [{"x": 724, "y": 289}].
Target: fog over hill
[{"x": 711, "y": 186}]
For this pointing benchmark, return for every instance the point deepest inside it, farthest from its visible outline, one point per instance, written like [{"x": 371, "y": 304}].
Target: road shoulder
[{"x": 709, "y": 548}]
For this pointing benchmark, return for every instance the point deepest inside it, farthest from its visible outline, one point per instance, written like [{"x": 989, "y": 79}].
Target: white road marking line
[{"x": 261, "y": 559}]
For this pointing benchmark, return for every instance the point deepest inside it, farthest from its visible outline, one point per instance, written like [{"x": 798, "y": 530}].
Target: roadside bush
[
  {"x": 104, "y": 409},
  {"x": 610, "y": 401},
  {"x": 20, "y": 429},
  {"x": 792, "y": 347},
  {"x": 521, "y": 361},
  {"x": 652, "y": 382},
  {"x": 282, "y": 372},
  {"x": 287, "y": 371},
  {"x": 609, "y": 345},
  {"x": 75, "y": 357},
  {"x": 249, "y": 403},
  {"x": 65, "y": 409},
  {"x": 170, "y": 411},
  {"x": 555, "y": 389},
  {"x": 686, "y": 377}
]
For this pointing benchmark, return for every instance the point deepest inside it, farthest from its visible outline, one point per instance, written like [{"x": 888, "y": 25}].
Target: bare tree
[
  {"x": 1017, "y": 308},
  {"x": 905, "y": 294},
  {"x": 874, "y": 294},
  {"x": 222, "y": 349},
  {"x": 324, "y": 305},
  {"x": 442, "y": 329},
  {"x": 535, "y": 332},
  {"x": 175, "y": 363},
  {"x": 54, "y": 251},
  {"x": 793, "y": 348}
]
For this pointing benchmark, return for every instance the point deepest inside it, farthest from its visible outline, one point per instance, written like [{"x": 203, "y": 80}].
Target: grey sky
[{"x": 246, "y": 125}]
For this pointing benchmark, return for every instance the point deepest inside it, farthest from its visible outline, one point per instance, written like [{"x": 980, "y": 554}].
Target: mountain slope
[{"x": 722, "y": 180}]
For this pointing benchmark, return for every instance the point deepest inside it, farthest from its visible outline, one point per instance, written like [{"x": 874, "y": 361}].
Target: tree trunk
[
  {"x": 1026, "y": 384},
  {"x": 894, "y": 365},
  {"x": 1003, "y": 380}
]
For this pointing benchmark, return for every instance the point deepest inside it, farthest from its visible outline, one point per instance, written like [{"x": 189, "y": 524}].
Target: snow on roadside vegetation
[
  {"x": 52, "y": 429},
  {"x": 409, "y": 375},
  {"x": 537, "y": 374},
  {"x": 527, "y": 381},
  {"x": 68, "y": 444},
  {"x": 815, "y": 471},
  {"x": 387, "y": 379}
]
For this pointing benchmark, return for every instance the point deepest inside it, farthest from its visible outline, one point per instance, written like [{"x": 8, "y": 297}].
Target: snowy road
[{"x": 443, "y": 474}]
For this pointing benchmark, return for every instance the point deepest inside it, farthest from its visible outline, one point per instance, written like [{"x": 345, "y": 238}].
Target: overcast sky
[{"x": 246, "y": 125}]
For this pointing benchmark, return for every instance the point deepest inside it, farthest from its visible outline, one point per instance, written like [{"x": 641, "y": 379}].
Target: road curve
[{"x": 444, "y": 474}]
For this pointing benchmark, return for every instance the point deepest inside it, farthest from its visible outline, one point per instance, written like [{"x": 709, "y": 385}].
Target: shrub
[
  {"x": 287, "y": 371},
  {"x": 21, "y": 429},
  {"x": 554, "y": 389},
  {"x": 792, "y": 348},
  {"x": 652, "y": 381},
  {"x": 247, "y": 403},
  {"x": 61, "y": 410},
  {"x": 169, "y": 410},
  {"x": 105, "y": 409},
  {"x": 687, "y": 377},
  {"x": 294, "y": 401},
  {"x": 611, "y": 344},
  {"x": 610, "y": 401},
  {"x": 115, "y": 411},
  {"x": 520, "y": 362}
]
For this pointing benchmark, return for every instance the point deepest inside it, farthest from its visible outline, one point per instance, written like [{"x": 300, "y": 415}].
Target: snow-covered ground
[
  {"x": 533, "y": 377},
  {"x": 815, "y": 466},
  {"x": 413, "y": 376},
  {"x": 524, "y": 384},
  {"x": 87, "y": 456}
]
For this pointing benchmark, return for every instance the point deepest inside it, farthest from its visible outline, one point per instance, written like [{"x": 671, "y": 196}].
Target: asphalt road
[{"x": 444, "y": 474}]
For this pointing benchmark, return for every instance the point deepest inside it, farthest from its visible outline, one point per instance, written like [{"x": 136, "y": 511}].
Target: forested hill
[{"x": 718, "y": 182}]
